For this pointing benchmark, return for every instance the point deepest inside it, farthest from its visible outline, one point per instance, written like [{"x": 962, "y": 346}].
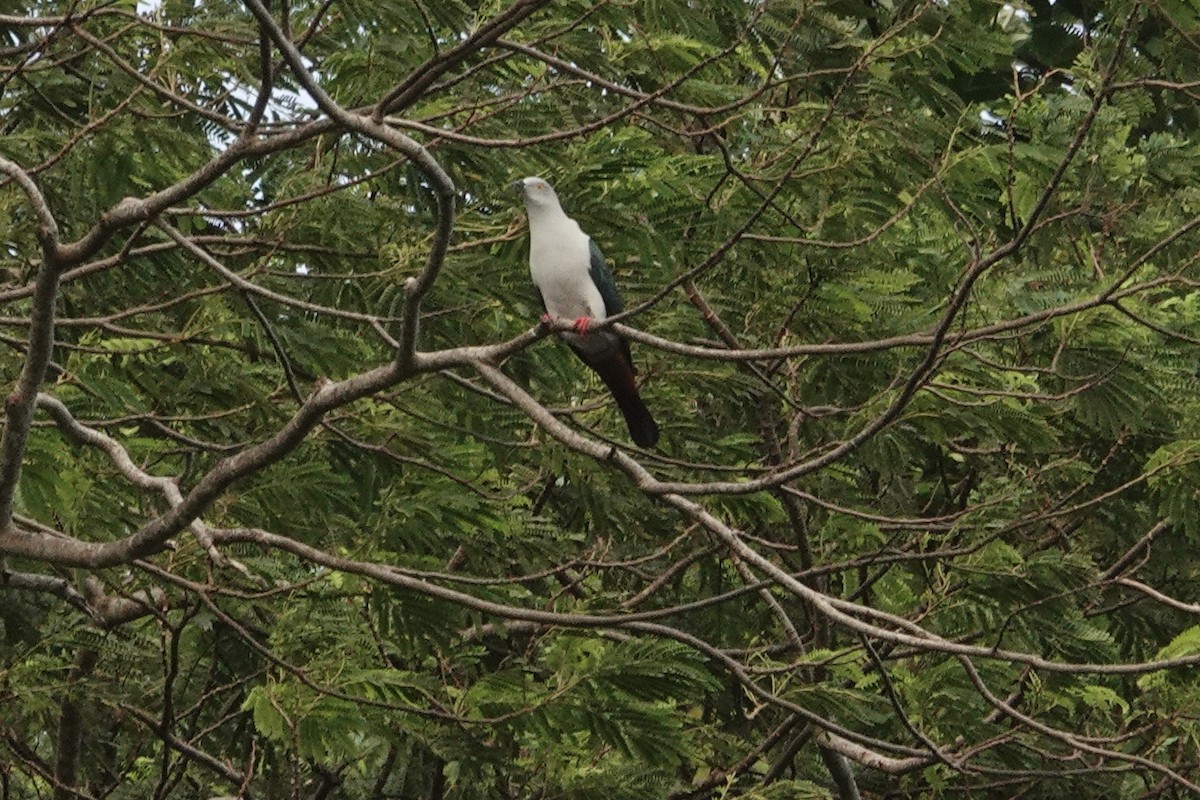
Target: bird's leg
[{"x": 580, "y": 324}]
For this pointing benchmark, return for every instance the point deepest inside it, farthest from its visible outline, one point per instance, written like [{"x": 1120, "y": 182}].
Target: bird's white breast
[{"x": 559, "y": 262}]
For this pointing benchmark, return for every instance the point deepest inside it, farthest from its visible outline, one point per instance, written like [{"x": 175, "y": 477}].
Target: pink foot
[
  {"x": 581, "y": 325},
  {"x": 547, "y": 319}
]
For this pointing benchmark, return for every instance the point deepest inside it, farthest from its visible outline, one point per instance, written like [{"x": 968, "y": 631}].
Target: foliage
[{"x": 916, "y": 309}]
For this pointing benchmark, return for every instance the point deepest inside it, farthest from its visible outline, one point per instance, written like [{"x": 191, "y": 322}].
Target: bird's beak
[{"x": 517, "y": 186}]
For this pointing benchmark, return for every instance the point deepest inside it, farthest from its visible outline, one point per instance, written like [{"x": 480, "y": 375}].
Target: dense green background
[{"x": 967, "y": 230}]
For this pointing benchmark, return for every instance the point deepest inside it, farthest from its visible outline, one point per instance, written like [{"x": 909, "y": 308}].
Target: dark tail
[{"x": 615, "y": 368}]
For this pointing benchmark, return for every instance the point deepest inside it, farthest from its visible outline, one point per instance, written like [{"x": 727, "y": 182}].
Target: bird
[{"x": 575, "y": 283}]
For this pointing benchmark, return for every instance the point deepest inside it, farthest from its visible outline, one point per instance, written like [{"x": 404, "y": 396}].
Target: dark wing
[
  {"x": 614, "y": 363},
  {"x": 602, "y": 277}
]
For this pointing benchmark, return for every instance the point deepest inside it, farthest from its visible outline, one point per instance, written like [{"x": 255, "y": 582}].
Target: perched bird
[{"x": 570, "y": 274}]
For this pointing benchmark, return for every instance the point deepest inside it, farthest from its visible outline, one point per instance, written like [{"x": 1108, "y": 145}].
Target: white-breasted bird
[{"x": 574, "y": 282}]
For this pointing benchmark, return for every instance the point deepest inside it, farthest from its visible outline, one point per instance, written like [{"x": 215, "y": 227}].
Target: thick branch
[
  {"x": 70, "y": 728},
  {"x": 19, "y": 403}
]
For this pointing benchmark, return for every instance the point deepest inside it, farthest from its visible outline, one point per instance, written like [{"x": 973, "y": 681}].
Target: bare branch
[{"x": 19, "y": 403}]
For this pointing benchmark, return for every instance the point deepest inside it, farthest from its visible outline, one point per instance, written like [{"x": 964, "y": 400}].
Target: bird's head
[{"x": 536, "y": 193}]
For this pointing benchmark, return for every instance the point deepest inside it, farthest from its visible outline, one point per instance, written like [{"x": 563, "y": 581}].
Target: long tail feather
[{"x": 615, "y": 368}]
